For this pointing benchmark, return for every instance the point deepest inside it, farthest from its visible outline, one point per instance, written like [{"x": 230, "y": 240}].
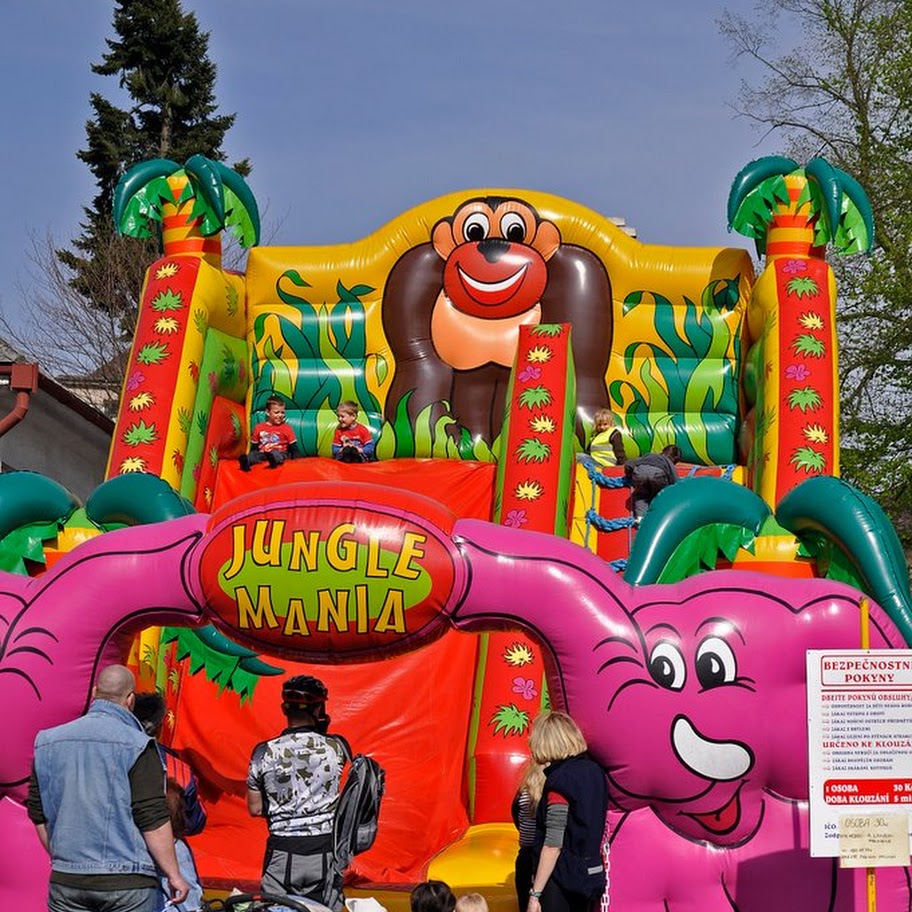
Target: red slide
[{"x": 411, "y": 712}]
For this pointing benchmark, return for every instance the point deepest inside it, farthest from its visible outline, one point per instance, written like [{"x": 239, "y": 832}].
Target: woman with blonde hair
[{"x": 570, "y": 819}]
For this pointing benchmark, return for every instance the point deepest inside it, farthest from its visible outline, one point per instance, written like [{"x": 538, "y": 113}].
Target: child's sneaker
[{"x": 244, "y": 462}]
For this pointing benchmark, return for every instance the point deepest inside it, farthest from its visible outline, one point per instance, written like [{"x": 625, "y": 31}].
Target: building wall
[{"x": 59, "y": 437}]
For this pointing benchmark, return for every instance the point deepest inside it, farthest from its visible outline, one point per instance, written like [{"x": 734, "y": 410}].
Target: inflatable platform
[{"x": 482, "y": 568}]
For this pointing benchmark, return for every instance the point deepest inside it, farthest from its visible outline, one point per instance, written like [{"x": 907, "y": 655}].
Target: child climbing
[{"x": 648, "y": 474}]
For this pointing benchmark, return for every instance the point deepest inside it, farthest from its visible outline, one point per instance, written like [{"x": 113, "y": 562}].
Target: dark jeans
[
  {"x": 526, "y": 862},
  {"x": 273, "y": 457},
  {"x": 76, "y": 899},
  {"x": 556, "y": 899}
]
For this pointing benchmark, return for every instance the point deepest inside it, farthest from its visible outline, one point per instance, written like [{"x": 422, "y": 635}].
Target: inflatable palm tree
[
  {"x": 192, "y": 204},
  {"x": 793, "y": 214}
]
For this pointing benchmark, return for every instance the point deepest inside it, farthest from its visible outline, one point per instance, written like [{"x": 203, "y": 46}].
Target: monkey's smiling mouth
[{"x": 492, "y": 293}]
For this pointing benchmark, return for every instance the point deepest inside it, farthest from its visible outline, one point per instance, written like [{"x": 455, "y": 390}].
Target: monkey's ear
[
  {"x": 442, "y": 238},
  {"x": 547, "y": 239}
]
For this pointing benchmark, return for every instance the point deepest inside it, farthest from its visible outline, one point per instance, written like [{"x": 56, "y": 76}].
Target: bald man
[{"x": 97, "y": 799}]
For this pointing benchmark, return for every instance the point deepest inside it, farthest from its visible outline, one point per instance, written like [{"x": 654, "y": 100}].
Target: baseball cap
[{"x": 304, "y": 690}]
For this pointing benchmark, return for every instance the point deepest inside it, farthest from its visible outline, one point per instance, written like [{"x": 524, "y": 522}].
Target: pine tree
[{"x": 160, "y": 57}]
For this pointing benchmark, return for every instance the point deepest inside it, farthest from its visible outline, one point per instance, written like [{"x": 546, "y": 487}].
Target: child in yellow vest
[{"x": 607, "y": 445}]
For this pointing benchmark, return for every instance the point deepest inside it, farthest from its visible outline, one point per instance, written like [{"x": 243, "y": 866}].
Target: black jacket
[{"x": 582, "y": 782}]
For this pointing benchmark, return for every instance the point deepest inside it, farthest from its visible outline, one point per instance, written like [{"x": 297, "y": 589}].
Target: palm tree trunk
[
  {"x": 793, "y": 315},
  {"x": 181, "y": 232}
]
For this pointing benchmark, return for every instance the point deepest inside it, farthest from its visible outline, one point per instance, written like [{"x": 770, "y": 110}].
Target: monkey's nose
[{"x": 492, "y": 249}]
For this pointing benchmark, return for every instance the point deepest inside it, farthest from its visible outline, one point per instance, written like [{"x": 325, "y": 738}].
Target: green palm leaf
[{"x": 139, "y": 194}]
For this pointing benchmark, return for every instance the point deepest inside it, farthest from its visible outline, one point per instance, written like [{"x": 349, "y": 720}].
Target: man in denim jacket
[{"x": 97, "y": 800}]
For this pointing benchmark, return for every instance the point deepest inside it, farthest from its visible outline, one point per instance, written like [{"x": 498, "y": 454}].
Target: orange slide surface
[{"x": 411, "y": 712}]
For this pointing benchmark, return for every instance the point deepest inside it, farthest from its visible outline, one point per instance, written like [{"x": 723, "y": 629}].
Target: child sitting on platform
[
  {"x": 272, "y": 440},
  {"x": 352, "y": 441}
]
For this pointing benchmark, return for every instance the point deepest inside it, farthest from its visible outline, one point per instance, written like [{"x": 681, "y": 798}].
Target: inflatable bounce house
[{"x": 481, "y": 568}]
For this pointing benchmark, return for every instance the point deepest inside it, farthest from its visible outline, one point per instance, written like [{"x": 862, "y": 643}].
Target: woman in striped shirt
[{"x": 525, "y": 804}]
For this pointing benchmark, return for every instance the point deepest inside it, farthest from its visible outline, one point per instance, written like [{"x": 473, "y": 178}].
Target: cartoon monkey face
[{"x": 496, "y": 252}]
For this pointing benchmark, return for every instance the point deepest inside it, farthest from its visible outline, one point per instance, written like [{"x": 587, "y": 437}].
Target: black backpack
[{"x": 358, "y": 810}]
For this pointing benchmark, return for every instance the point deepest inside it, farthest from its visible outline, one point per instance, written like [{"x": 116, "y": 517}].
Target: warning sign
[{"x": 859, "y": 742}]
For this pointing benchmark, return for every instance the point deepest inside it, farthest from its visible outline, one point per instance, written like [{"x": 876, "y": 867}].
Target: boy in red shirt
[
  {"x": 352, "y": 442},
  {"x": 272, "y": 440}
]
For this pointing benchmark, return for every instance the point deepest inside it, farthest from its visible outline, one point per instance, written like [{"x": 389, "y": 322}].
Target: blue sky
[{"x": 353, "y": 111}]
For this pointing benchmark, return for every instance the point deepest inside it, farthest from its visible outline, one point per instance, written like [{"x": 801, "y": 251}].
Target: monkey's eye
[
  {"x": 513, "y": 228},
  {"x": 716, "y": 664},
  {"x": 666, "y": 666},
  {"x": 476, "y": 227}
]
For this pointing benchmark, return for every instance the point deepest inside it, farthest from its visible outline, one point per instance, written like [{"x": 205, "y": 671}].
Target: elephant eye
[
  {"x": 716, "y": 664},
  {"x": 476, "y": 227},
  {"x": 666, "y": 666},
  {"x": 513, "y": 228}
]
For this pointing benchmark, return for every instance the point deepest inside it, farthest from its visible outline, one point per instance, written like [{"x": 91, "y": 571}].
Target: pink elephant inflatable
[{"x": 692, "y": 697}]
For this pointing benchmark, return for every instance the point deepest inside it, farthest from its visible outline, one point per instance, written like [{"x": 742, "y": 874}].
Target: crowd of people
[{"x": 114, "y": 807}]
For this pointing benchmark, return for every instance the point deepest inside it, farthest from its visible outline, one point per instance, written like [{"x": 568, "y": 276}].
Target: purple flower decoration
[
  {"x": 529, "y": 372},
  {"x": 213, "y": 381},
  {"x": 516, "y": 518},
  {"x": 135, "y": 381},
  {"x": 797, "y": 372},
  {"x": 525, "y": 687},
  {"x": 793, "y": 267}
]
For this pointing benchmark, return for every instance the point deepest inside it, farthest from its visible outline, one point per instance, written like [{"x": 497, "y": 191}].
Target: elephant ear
[
  {"x": 828, "y": 512},
  {"x": 566, "y": 597},
  {"x": 57, "y": 626}
]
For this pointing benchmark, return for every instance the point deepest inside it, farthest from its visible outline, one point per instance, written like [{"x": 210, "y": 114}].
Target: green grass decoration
[
  {"x": 809, "y": 459},
  {"x": 140, "y": 433},
  {"x": 166, "y": 301},
  {"x": 533, "y": 450},
  {"x": 330, "y": 342},
  {"x": 700, "y": 550},
  {"x": 807, "y": 345},
  {"x": 510, "y": 720},
  {"x": 152, "y": 353},
  {"x": 429, "y": 436},
  {"x": 398, "y": 438},
  {"x": 689, "y": 383},
  {"x": 806, "y": 398}
]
